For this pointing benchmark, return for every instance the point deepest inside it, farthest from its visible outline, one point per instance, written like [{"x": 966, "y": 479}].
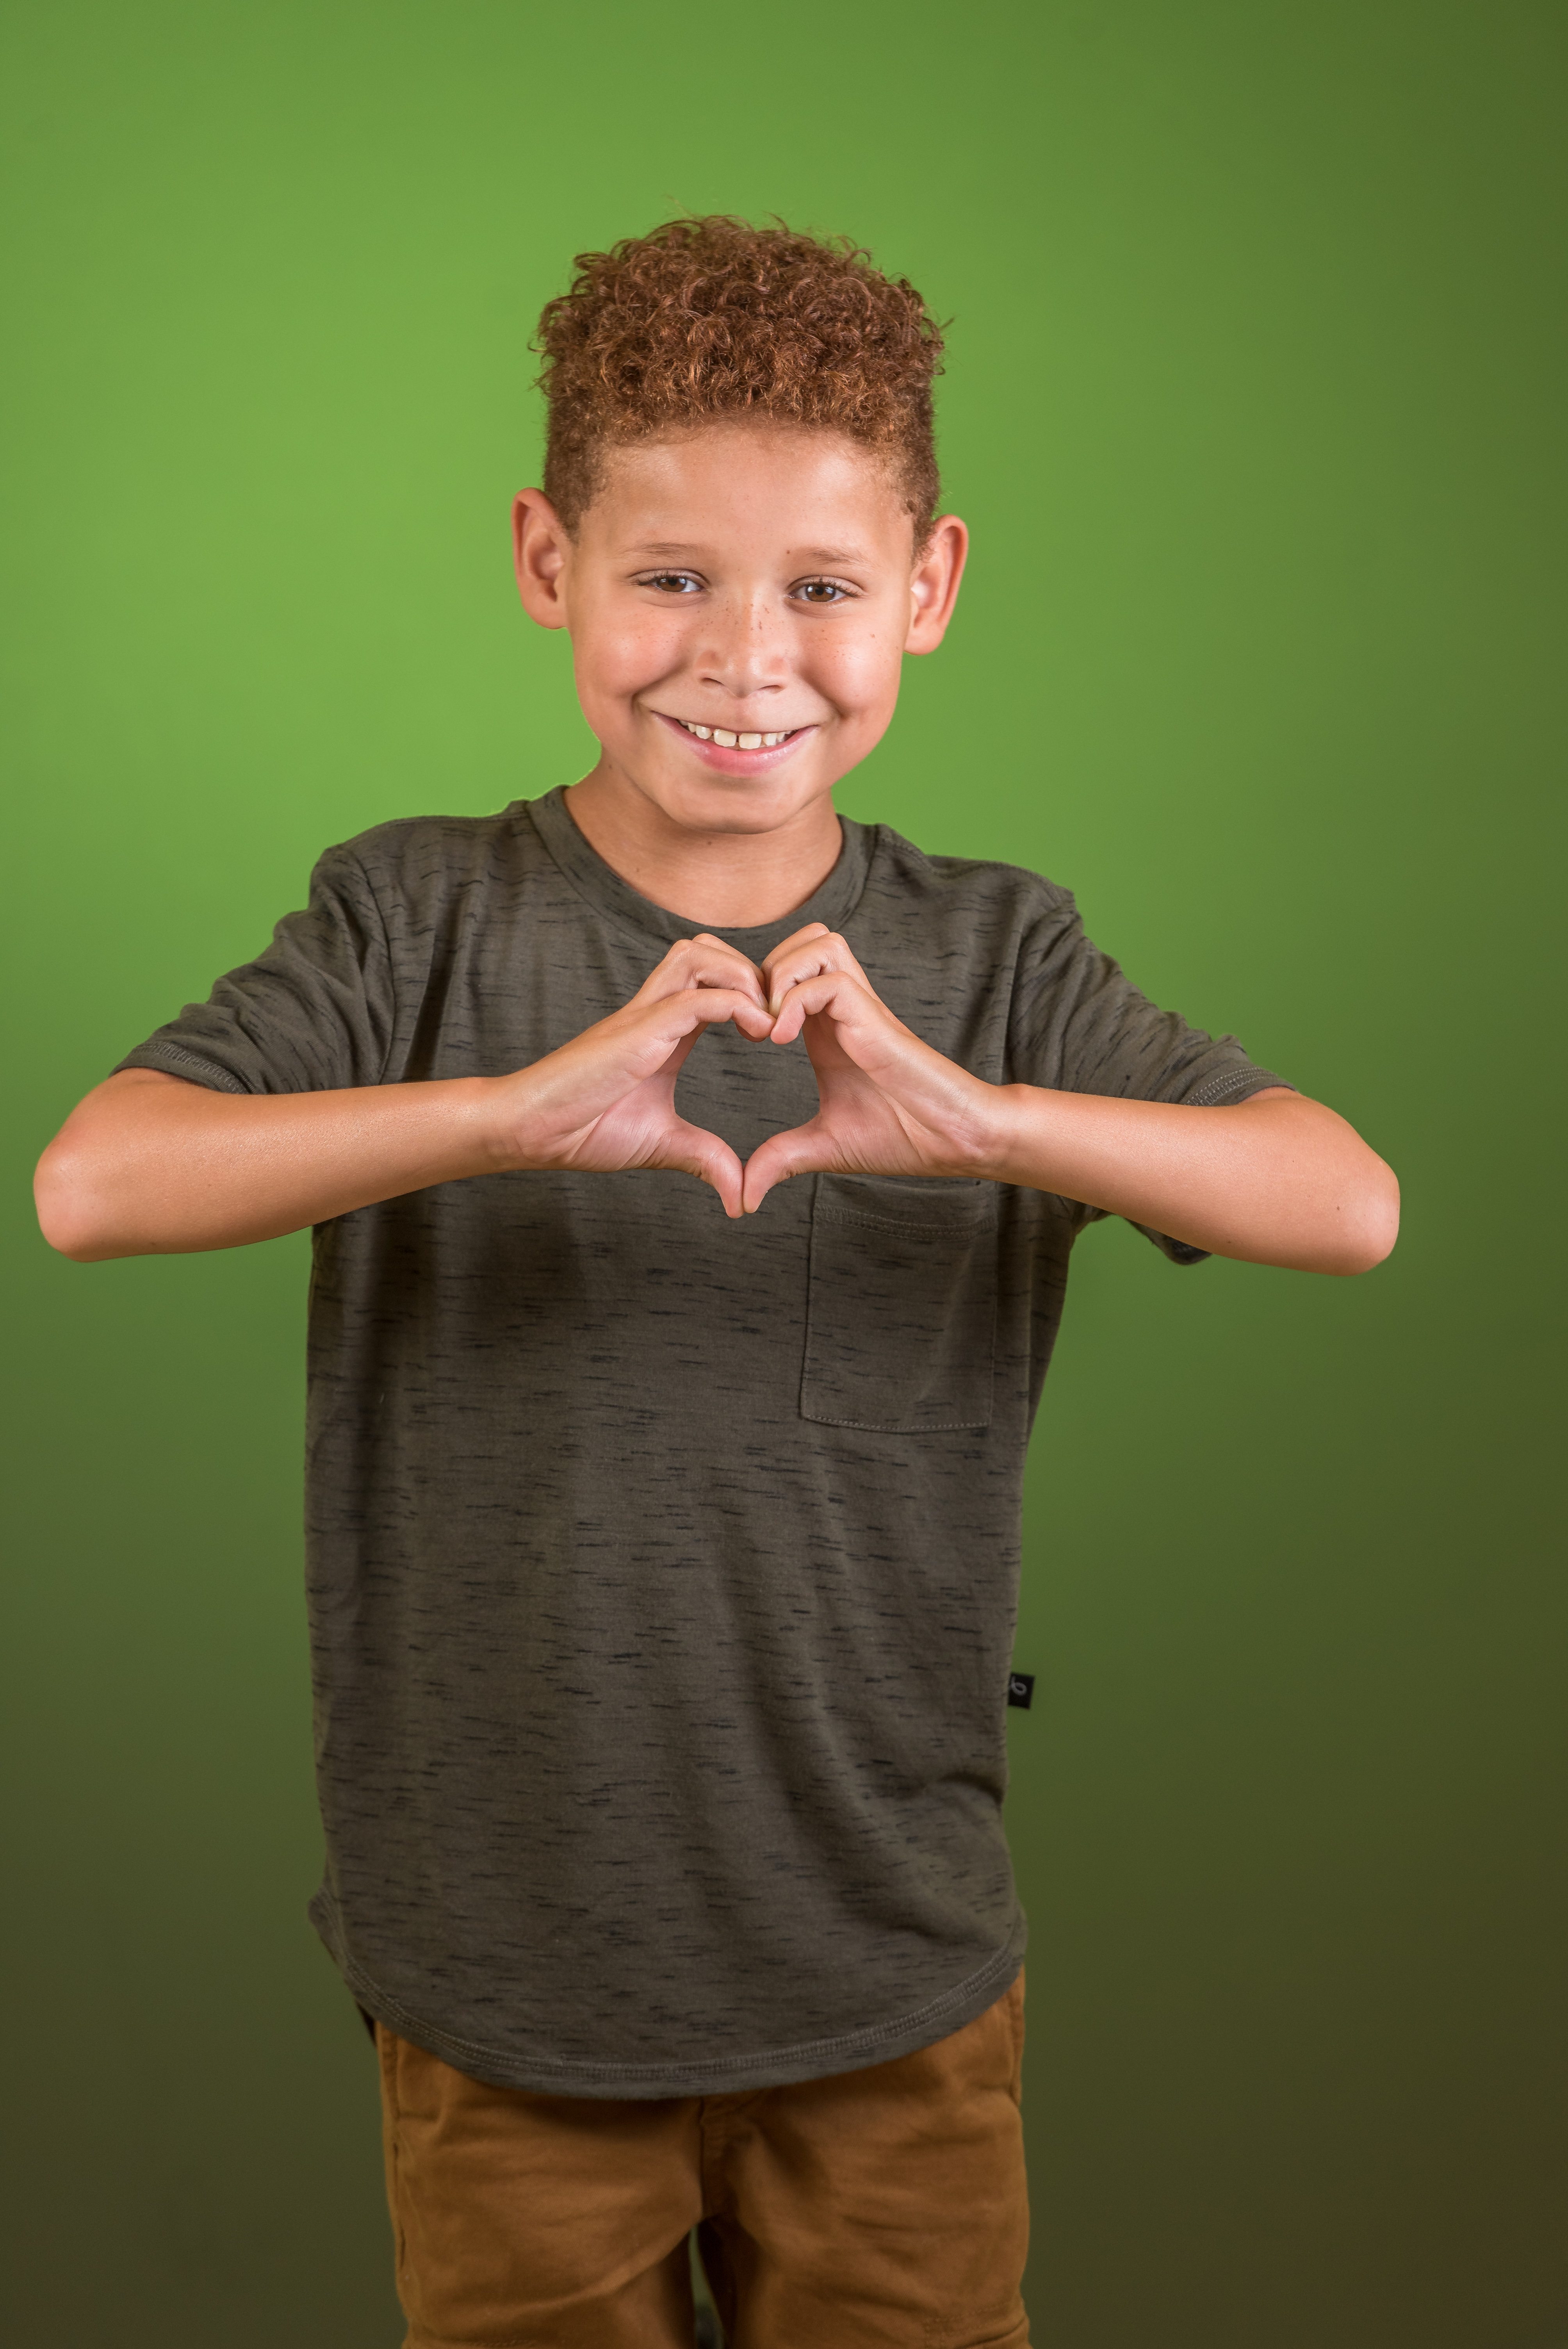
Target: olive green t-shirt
[{"x": 662, "y": 1569}]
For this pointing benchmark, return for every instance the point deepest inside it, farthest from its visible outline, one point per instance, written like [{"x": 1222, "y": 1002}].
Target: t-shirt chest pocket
[{"x": 900, "y": 1314}]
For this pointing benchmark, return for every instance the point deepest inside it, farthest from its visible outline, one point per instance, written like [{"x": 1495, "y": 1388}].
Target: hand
[
  {"x": 606, "y": 1101},
  {"x": 1276, "y": 1179},
  {"x": 890, "y": 1104}
]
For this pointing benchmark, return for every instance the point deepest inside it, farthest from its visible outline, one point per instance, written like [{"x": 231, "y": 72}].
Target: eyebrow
[
  {"x": 673, "y": 548},
  {"x": 835, "y": 554}
]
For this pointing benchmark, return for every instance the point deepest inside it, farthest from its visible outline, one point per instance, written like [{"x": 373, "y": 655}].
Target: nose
[{"x": 744, "y": 652}]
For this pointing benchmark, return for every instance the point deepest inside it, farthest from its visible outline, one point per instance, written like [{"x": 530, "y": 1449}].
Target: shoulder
[
  {"x": 418, "y": 860},
  {"x": 955, "y": 944},
  {"x": 966, "y": 892}
]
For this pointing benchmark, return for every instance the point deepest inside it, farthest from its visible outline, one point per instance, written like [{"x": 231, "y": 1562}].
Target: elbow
[
  {"x": 71, "y": 1209},
  {"x": 1367, "y": 1224}
]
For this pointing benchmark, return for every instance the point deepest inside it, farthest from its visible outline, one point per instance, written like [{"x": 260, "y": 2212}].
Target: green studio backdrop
[{"x": 1253, "y": 404}]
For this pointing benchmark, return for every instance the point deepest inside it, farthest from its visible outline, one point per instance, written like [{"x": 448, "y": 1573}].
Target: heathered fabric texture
[{"x": 662, "y": 1569}]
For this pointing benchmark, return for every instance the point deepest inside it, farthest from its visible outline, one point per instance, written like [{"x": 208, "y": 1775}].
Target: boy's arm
[
  {"x": 1277, "y": 1179},
  {"x": 150, "y": 1165}
]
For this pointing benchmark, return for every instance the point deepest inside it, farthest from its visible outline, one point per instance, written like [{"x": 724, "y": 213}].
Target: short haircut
[{"x": 706, "y": 319}]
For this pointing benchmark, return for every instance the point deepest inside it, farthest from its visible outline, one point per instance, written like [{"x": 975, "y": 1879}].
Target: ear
[
  {"x": 541, "y": 550},
  {"x": 934, "y": 586}
]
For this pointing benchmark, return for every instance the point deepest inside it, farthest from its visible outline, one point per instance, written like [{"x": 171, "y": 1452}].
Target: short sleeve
[
  {"x": 1078, "y": 1025},
  {"x": 312, "y": 1012}
]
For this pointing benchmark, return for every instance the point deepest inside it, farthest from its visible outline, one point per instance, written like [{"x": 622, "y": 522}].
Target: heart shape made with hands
[{"x": 888, "y": 1104}]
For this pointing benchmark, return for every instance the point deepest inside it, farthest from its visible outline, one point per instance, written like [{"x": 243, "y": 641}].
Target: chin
[{"x": 734, "y": 803}]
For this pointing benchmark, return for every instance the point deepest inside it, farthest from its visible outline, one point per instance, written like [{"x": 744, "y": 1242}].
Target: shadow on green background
[{"x": 1254, "y": 404}]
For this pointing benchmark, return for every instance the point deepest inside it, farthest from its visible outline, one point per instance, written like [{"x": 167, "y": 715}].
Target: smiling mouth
[{"x": 726, "y": 740}]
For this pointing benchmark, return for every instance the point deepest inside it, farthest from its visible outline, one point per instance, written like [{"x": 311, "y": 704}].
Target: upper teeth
[{"x": 735, "y": 741}]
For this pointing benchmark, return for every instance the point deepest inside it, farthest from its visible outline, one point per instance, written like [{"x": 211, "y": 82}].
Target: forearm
[
  {"x": 147, "y": 1164},
  {"x": 1277, "y": 1179}
]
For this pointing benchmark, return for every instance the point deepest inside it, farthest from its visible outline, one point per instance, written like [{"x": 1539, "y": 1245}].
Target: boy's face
[{"x": 754, "y": 583}]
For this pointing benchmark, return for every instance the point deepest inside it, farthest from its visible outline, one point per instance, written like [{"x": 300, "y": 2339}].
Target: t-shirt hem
[
  {"x": 814, "y": 2059},
  {"x": 1233, "y": 1085},
  {"x": 173, "y": 1061}
]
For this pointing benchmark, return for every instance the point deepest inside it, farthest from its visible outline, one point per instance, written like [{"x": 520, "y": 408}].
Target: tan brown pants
[{"x": 876, "y": 2209}]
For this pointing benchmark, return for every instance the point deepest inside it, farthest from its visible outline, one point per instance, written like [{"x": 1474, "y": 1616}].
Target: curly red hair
[{"x": 706, "y": 318}]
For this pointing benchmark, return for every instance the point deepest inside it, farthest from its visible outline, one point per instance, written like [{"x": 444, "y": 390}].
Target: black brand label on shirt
[{"x": 1021, "y": 1689}]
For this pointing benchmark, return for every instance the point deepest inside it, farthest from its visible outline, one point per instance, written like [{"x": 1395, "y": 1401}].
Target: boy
[{"x": 664, "y": 1546}]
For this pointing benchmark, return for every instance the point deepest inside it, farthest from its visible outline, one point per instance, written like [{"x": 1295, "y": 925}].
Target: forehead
[{"x": 789, "y": 484}]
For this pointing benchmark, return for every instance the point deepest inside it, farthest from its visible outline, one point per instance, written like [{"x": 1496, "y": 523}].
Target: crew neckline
[{"x": 607, "y": 893}]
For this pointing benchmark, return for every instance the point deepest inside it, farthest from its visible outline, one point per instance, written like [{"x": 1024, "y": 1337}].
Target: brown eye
[
  {"x": 672, "y": 583},
  {"x": 820, "y": 591}
]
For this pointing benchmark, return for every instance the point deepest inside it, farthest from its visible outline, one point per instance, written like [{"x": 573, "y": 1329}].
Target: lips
[{"x": 736, "y": 753}]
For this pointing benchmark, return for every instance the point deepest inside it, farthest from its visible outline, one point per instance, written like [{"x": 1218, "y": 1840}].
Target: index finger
[
  {"x": 808, "y": 955},
  {"x": 702, "y": 961},
  {"x": 796, "y": 938}
]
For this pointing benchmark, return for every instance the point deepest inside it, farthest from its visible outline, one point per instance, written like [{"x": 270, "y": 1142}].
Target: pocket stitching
[
  {"x": 896, "y": 1426},
  {"x": 937, "y": 1229},
  {"x": 967, "y": 1217}
]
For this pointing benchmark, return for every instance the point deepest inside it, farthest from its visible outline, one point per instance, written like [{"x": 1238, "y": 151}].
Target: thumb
[
  {"x": 691, "y": 1150},
  {"x": 804, "y": 1150}
]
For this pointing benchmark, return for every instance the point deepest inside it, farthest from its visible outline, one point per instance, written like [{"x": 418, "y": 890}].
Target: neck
[{"x": 716, "y": 880}]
